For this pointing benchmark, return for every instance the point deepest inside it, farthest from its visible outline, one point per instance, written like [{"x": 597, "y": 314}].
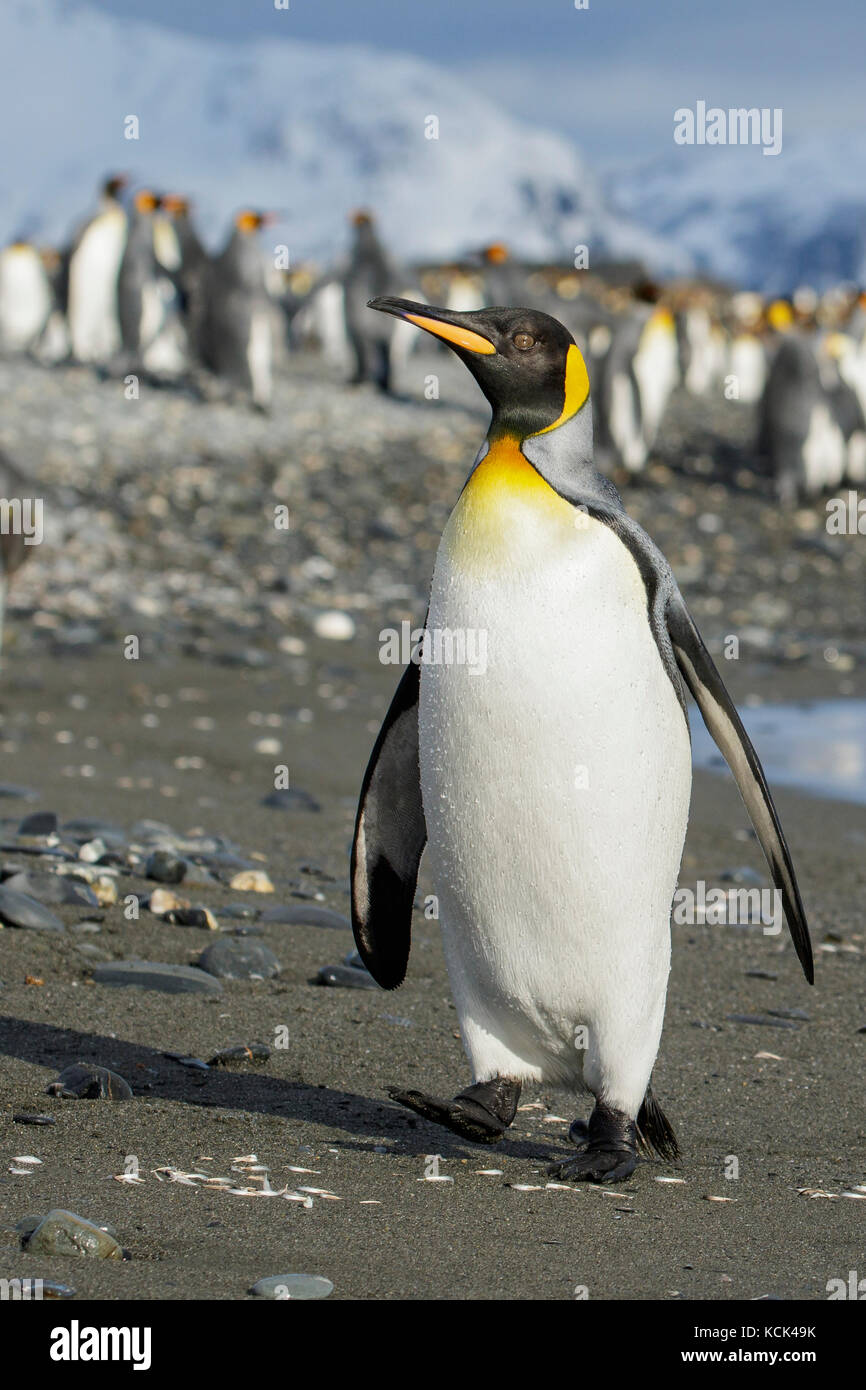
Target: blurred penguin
[
  {"x": 238, "y": 323},
  {"x": 94, "y": 265},
  {"x": 369, "y": 275},
  {"x": 637, "y": 369},
  {"x": 798, "y": 429},
  {"x": 191, "y": 271},
  {"x": 26, "y": 298}
]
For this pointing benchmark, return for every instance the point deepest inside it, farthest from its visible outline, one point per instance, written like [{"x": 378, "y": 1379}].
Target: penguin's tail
[{"x": 654, "y": 1132}]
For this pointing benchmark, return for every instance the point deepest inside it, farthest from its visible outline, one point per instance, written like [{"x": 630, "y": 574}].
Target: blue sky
[{"x": 610, "y": 76}]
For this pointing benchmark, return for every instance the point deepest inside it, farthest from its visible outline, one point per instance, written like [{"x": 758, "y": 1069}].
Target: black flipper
[
  {"x": 390, "y": 834},
  {"x": 721, "y": 718}
]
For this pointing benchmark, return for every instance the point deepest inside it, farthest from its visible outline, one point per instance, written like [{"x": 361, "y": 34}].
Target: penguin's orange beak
[{"x": 452, "y": 328}]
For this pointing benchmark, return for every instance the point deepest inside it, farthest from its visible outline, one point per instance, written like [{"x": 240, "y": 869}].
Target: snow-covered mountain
[
  {"x": 311, "y": 129},
  {"x": 769, "y": 223}
]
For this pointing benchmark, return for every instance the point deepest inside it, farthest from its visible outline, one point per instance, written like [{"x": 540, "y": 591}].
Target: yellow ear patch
[
  {"x": 460, "y": 337},
  {"x": 576, "y": 388}
]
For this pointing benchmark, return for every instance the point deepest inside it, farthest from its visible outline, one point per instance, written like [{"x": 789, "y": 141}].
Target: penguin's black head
[{"x": 526, "y": 363}]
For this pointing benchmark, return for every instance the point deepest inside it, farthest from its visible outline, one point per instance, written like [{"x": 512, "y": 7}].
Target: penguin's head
[
  {"x": 114, "y": 185},
  {"x": 526, "y": 363},
  {"x": 146, "y": 201},
  {"x": 248, "y": 221}
]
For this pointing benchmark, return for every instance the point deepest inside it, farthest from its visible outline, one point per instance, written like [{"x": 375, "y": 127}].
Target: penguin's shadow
[{"x": 150, "y": 1073}]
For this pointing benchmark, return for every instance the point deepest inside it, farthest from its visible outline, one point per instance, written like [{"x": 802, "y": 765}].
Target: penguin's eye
[{"x": 523, "y": 341}]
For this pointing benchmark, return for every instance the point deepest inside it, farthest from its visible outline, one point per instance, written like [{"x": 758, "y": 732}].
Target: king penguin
[
  {"x": 238, "y": 322},
  {"x": 551, "y": 781},
  {"x": 94, "y": 265}
]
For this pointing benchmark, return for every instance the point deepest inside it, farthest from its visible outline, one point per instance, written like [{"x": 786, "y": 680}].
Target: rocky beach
[{"x": 191, "y": 685}]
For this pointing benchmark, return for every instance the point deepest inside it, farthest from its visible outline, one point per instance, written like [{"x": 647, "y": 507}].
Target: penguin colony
[{"x": 135, "y": 291}]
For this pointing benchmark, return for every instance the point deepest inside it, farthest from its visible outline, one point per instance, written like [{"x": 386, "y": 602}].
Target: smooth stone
[
  {"x": 293, "y": 1286},
  {"x": 20, "y": 910},
  {"x": 761, "y": 975},
  {"x": 39, "y": 823},
  {"x": 158, "y": 975},
  {"x": 252, "y": 881},
  {"x": 239, "y": 958},
  {"x": 799, "y": 1014},
  {"x": 193, "y": 917},
  {"x": 257, "y": 1052},
  {"x": 85, "y": 1081},
  {"x": 64, "y": 1233},
  {"x": 164, "y": 867},
  {"x": 51, "y": 1289},
  {"x": 240, "y": 910},
  {"x": 291, "y": 799},
  {"x": 292, "y": 916},
  {"x": 17, "y": 793},
  {"x": 345, "y": 977},
  {"x": 22, "y": 1117},
  {"x": 56, "y": 889}
]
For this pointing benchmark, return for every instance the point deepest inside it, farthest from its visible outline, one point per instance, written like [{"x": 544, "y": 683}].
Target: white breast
[
  {"x": 94, "y": 327},
  {"x": 556, "y": 783},
  {"x": 25, "y": 298}
]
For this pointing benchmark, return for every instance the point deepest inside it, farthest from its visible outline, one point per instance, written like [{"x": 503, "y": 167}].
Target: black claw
[
  {"x": 607, "y": 1148},
  {"x": 596, "y": 1165}
]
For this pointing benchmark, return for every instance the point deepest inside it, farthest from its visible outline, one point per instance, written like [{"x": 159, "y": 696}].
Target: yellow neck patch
[
  {"x": 576, "y": 388},
  {"x": 502, "y": 509}
]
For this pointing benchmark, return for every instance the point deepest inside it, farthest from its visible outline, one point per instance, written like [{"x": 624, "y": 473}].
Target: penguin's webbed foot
[
  {"x": 607, "y": 1148},
  {"x": 595, "y": 1164},
  {"x": 481, "y": 1113}
]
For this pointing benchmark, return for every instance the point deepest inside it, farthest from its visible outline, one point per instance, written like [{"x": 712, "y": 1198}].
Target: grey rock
[
  {"x": 64, "y": 1233},
  {"x": 52, "y": 888},
  {"x": 85, "y": 1081},
  {"x": 20, "y": 910},
  {"x": 158, "y": 975},
  {"x": 291, "y": 799},
  {"x": 293, "y": 1286},
  {"x": 164, "y": 867},
  {"x": 239, "y": 958},
  {"x": 257, "y": 1052},
  {"x": 39, "y": 823},
  {"x": 345, "y": 977}
]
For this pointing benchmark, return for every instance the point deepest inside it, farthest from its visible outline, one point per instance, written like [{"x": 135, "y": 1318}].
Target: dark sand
[{"x": 321, "y": 1103}]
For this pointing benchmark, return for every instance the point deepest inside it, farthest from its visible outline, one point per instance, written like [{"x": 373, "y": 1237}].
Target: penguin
[
  {"x": 369, "y": 273},
  {"x": 238, "y": 325},
  {"x": 191, "y": 269},
  {"x": 140, "y": 299},
  {"x": 797, "y": 427},
  {"x": 550, "y": 782},
  {"x": 635, "y": 378},
  {"x": 26, "y": 299},
  {"x": 94, "y": 265}
]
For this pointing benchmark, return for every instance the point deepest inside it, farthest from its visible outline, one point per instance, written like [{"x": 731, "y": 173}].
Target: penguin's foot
[
  {"x": 481, "y": 1113},
  {"x": 607, "y": 1148}
]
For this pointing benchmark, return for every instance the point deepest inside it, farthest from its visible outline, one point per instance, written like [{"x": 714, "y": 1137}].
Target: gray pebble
[
  {"x": 39, "y": 823},
  {"x": 20, "y": 910},
  {"x": 345, "y": 977},
  {"x": 154, "y": 974},
  {"x": 257, "y": 1052},
  {"x": 84, "y": 1081},
  {"x": 164, "y": 867},
  {"x": 293, "y": 1286},
  {"x": 52, "y": 888},
  {"x": 239, "y": 958},
  {"x": 64, "y": 1233}
]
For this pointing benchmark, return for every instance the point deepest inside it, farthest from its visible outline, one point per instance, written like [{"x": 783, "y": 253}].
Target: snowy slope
[
  {"x": 313, "y": 130},
  {"x": 766, "y": 222}
]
